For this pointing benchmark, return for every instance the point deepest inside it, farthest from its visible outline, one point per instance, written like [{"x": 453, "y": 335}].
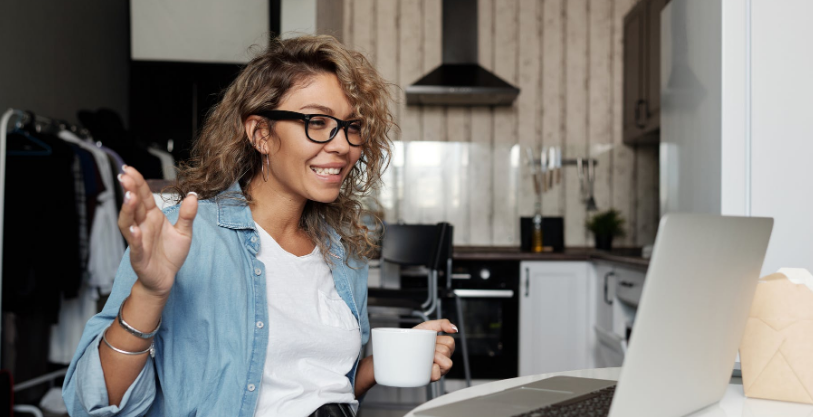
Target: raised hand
[
  {"x": 444, "y": 347},
  {"x": 157, "y": 247}
]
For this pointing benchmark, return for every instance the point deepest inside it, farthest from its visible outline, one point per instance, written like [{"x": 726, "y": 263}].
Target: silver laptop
[{"x": 695, "y": 302}]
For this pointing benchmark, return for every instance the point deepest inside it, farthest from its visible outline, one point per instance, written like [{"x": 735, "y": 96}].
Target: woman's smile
[{"x": 331, "y": 173}]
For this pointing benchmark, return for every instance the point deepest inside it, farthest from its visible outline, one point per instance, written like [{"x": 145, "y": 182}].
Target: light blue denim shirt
[{"x": 211, "y": 347}]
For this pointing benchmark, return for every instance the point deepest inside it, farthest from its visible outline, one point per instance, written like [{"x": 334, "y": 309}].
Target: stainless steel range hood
[{"x": 459, "y": 80}]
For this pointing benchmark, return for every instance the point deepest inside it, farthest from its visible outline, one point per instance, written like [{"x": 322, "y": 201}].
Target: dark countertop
[{"x": 623, "y": 256}]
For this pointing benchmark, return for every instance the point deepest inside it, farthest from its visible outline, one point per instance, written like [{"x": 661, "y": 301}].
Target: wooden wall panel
[
  {"x": 566, "y": 56},
  {"x": 600, "y": 132},
  {"x": 330, "y": 18},
  {"x": 411, "y": 45},
  {"x": 480, "y": 189},
  {"x": 347, "y": 22},
  {"x": 529, "y": 117},
  {"x": 386, "y": 48},
  {"x": 364, "y": 34},
  {"x": 505, "y": 223},
  {"x": 458, "y": 129},
  {"x": 622, "y": 186},
  {"x": 553, "y": 93},
  {"x": 433, "y": 117},
  {"x": 576, "y": 118}
]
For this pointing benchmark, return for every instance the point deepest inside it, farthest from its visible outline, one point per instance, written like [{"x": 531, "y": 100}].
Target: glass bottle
[{"x": 536, "y": 236}]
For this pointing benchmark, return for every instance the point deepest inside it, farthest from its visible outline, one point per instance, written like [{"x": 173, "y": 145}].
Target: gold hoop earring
[{"x": 262, "y": 167}]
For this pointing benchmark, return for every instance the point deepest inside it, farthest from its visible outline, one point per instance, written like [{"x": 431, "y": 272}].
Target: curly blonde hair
[{"x": 223, "y": 154}]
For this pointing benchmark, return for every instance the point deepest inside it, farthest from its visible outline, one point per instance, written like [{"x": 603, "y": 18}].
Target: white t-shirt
[{"x": 313, "y": 337}]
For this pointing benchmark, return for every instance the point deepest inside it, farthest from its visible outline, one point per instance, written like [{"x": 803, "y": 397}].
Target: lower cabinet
[
  {"x": 620, "y": 290},
  {"x": 557, "y": 316},
  {"x": 575, "y": 315}
]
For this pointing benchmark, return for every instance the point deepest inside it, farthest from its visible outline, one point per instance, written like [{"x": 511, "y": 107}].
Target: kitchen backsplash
[{"x": 566, "y": 56}]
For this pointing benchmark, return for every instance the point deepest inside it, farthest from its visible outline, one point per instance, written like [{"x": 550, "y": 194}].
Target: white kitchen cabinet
[
  {"x": 615, "y": 310},
  {"x": 608, "y": 350},
  {"x": 557, "y": 315}
]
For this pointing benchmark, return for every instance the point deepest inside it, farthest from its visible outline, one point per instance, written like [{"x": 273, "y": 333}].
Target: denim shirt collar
[{"x": 234, "y": 213}]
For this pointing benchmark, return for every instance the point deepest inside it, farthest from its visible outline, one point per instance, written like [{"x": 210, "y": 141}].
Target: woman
[{"x": 252, "y": 300}]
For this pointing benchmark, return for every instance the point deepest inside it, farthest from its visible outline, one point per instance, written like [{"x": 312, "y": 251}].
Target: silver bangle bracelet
[
  {"x": 150, "y": 350},
  {"x": 131, "y": 329}
]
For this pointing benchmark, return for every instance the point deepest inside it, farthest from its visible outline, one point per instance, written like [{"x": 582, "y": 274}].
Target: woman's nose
[{"x": 339, "y": 144}]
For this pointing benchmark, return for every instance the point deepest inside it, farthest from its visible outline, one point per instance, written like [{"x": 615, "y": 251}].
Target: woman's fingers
[
  {"x": 136, "y": 244},
  {"x": 126, "y": 217},
  {"x": 142, "y": 189},
  {"x": 132, "y": 199},
  {"x": 445, "y": 344},
  {"x": 443, "y": 361},
  {"x": 186, "y": 215},
  {"x": 442, "y": 325},
  {"x": 436, "y": 372}
]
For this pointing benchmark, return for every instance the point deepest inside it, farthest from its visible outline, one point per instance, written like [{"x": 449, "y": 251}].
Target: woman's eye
[
  {"x": 317, "y": 123},
  {"x": 354, "y": 128}
]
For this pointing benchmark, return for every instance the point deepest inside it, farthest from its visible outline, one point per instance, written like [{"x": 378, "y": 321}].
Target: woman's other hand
[
  {"x": 444, "y": 347},
  {"x": 157, "y": 248}
]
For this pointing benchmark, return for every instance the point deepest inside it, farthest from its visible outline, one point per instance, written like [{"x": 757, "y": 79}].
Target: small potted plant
[{"x": 605, "y": 226}]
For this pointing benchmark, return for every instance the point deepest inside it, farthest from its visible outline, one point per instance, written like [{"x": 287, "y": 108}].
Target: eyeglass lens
[{"x": 323, "y": 129}]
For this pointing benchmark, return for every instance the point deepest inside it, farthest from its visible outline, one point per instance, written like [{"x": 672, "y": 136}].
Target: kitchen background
[{"x": 566, "y": 56}]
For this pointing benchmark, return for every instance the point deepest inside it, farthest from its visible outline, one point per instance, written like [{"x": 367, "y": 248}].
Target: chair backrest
[{"x": 417, "y": 244}]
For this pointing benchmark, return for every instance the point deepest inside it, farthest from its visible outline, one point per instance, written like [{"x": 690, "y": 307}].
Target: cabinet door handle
[
  {"x": 527, "y": 281},
  {"x": 606, "y": 287}
]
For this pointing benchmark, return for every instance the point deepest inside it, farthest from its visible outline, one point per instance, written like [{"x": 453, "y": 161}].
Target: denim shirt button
[
  {"x": 258, "y": 271},
  {"x": 254, "y": 239},
  {"x": 251, "y": 387},
  {"x": 260, "y": 325}
]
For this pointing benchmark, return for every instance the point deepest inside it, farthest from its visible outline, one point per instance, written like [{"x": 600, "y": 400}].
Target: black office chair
[
  {"x": 410, "y": 246},
  {"x": 429, "y": 247}
]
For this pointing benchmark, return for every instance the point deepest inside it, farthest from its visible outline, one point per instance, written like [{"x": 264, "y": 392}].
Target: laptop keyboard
[{"x": 595, "y": 404}]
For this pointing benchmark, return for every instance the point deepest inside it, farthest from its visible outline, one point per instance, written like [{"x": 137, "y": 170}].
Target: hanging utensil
[
  {"x": 580, "y": 171},
  {"x": 552, "y": 165},
  {"x": 534, "y": 171},
  {"x": 591, "y": 180},
  {"x": 544, "y": 164}
]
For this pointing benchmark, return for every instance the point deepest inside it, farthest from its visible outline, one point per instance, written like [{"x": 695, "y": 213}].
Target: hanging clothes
[
  {"x": 167, "y": 162},
  {"x": 106, "y": 250},
  {"x": 73, "y": 315},
  {"x": 106, "y": 126},
  {"x": 41, "y": 257},
  {"x": 116, "y": 165},
  {"x": 106, "y": 246},
  {"x": 83, "y": 227}
]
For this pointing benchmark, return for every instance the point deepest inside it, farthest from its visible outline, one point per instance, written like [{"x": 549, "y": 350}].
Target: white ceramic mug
[{"x": 403, "y": 357}]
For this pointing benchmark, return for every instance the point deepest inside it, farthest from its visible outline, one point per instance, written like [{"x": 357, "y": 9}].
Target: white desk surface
[{"x": 733, "y": 404}]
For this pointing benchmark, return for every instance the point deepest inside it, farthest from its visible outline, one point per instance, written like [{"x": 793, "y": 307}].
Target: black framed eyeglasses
[{"x": 321, "y": 128}]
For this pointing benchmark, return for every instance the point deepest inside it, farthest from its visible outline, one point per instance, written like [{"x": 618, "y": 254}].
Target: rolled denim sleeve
[
  {"x": 91, "y": 392},
  {"x": 84, "y": 390}
]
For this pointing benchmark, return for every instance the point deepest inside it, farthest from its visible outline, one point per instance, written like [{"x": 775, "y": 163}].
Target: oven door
[{"x": 490, "y": 317}]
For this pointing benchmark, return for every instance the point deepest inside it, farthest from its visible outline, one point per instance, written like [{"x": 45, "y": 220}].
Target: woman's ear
[{"x": 257, "y": 131}]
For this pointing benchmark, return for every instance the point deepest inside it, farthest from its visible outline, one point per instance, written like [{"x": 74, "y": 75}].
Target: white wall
[
  {"x": 691, "y": 111},
  {"x": 738, "y": 142},
  {"x": 298, "y": 17},
  {"x": 782, "y": 128},
  {"x": 197, "y": 30},
  {"x": 59, "y": 57}
]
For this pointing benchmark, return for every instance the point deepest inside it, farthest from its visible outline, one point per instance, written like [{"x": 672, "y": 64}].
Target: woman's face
[{"x": 300, "y": 167}]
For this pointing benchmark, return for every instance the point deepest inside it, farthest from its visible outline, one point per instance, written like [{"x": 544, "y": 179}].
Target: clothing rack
[{"x": 19, "y": 119}]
